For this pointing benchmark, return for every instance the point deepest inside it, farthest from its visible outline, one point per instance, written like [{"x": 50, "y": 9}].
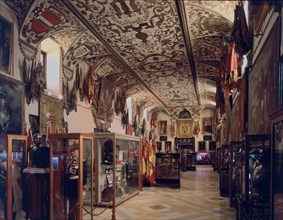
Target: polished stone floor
[{"x": 197, "y": 199}]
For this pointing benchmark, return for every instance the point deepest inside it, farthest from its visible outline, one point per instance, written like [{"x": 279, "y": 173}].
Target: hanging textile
[
  {"x": 232, "y": 65},
  {"x": 123, "y": 102},
  {"x": 118, "y": 103},
  {"x": 65, "y": 92},
  {"x": 72, "y": 99},
  {"x": 241, "y": 32},
  {"x": 89, "y": 86}
]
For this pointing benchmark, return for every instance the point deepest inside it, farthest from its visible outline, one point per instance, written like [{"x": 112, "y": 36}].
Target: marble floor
[{"x": 197, "y": 199}]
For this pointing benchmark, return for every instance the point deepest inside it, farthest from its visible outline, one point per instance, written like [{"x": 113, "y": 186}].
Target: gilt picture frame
[
  {"x": 162, "y": 127},
  {"x": 184, "y": 128}
]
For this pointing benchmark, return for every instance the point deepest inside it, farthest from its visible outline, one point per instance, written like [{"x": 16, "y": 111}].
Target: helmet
[{"x": 37, "y": 138}]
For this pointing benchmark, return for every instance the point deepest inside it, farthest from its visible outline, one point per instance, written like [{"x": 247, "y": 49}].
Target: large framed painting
[
  {"x": 6, "y": 37},
  {"x": 34, "y": 123},
  {"x": 162, "y": 127},
  {"x": 277, "y": 165},
  {"x": 184, "y": 128},
  {"x": 11, "y": 106},
  {"x": 207, "y": 125},
  {"x": 261, "y": 89},
  {"x": 51, "y": 114}
]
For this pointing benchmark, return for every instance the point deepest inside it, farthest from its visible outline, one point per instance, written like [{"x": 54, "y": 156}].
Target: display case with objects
[
  {"x": 117, "y": 168},
  {"x": 72, "y": 175},
  {"x": 235, "y": 168},
  {"x": 254, "y": 202},
  {"x": 168, "y": 169},
  {"x": 216, "y": 161},
  {"x": 13, "y": 182},
  {"x": 224, "y": 170},
  {"x": 276, "y": 190},
  {"x": 186, "y": 148},
  {"x": 257, "y": 165}
]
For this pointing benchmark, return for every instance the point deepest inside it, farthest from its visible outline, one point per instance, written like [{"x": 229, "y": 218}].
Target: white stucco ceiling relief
[
  {"x": 147, "y": 34},
  {"x": 140, "y": 45}
]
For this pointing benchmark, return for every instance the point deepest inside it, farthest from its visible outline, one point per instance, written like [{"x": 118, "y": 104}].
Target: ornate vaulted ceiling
[{"x": 163, "y": 53}]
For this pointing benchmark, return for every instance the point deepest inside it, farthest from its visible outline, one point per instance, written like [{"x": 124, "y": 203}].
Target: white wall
[{"x": 116, "y": 125}]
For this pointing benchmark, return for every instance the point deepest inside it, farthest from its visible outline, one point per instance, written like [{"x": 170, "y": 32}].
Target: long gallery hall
[{"x": 141, "y": 109}]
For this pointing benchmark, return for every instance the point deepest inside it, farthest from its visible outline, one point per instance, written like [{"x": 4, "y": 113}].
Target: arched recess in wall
[
  {"x": 185, "y": 114},
  {"x": 185, "y": 124}
]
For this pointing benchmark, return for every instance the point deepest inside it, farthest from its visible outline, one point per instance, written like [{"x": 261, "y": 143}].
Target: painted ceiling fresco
[{"x": 163, "y": 53}]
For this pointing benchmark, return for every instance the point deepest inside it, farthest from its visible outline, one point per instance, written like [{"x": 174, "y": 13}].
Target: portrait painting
[
  {"x": 184, "y": 128},
  {"x": 5, "y": 45},
  {"x": 34, "y": 123},
  {"x": 262, "y": 98},
  {"x": 207, "y": 125},
  {"x": 159, "y": 145},
  {"x": 168, "y": 146},
  {"x": 11, "y": 106},
  {"x": 162, "y": 127}
]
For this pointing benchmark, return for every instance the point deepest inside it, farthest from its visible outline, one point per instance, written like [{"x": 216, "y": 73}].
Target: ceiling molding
[{"x": 185, "y": 29}]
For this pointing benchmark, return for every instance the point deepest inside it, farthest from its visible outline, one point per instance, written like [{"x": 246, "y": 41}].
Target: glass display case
[
  {"x": 276, "y": 191},
  {"x": 13, "y": 193},
  {"x": 168, "y": 169},
  {"x": 257, "y": 164},
  {"x": 186, "y": 148},
  {"x": 254, "y": 202},
  {"x": 117, "y": 168},
  {"x": 224, "y": 170},
  {"x": 71, "y": 176},
  {"x": 235, "y": 167}
]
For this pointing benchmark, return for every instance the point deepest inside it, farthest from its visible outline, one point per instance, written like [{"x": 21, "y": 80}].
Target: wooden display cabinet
[
  {"x": 13, "y": 160},
  {"x": 276, "y": 191},
  {"x": 168, "y": 169},
  {"x": 235, "y": 168},
  {"x": 117, "y": 167},
  {"x": 216, "y": 162},
  {"x": 71, "y": 175},
  {"x": 254, "y": 202}
]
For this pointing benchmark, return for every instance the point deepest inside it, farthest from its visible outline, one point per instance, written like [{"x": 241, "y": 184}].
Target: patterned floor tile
[{"x": 197, "y": 199}]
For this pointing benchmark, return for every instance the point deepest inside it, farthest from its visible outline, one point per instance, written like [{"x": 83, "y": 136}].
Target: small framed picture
[{"x": 109, "y": 179}]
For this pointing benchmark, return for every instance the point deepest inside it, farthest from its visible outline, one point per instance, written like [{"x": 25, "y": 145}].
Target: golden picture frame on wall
[
  {"x": 162, "y": 127},
  {"x": 184, "y": 128}
]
